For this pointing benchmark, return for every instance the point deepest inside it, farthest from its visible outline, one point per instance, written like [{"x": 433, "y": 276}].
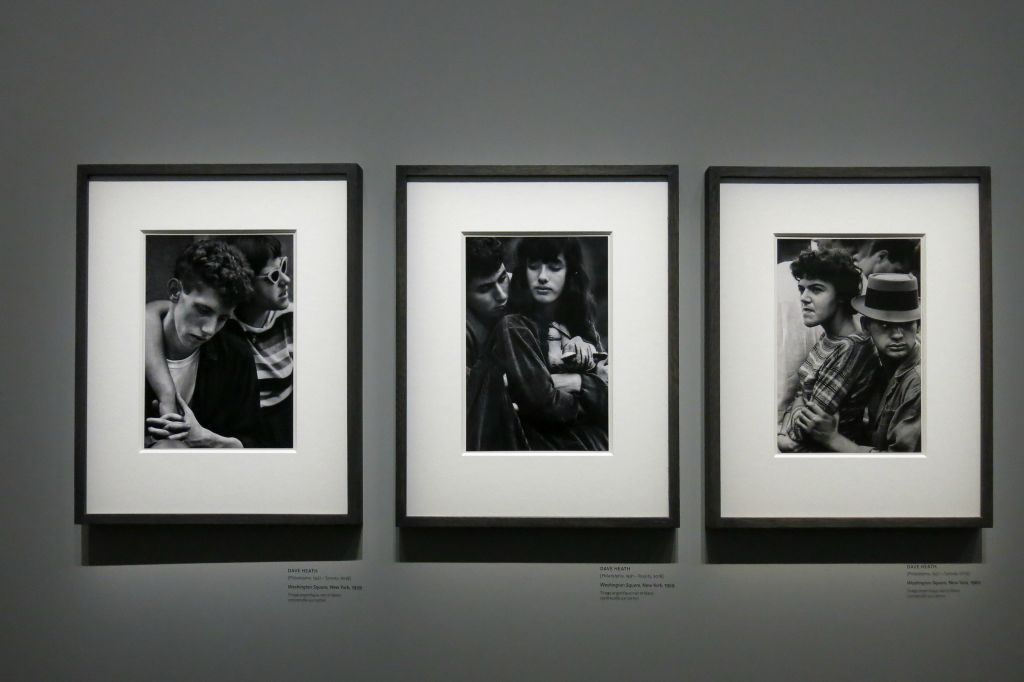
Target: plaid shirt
[
  {"x": 898, "y": 427},
  {"x": 837, "y": 376}
]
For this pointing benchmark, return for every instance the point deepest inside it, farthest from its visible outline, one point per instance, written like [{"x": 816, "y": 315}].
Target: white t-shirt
[{"x": 183, "y": 372}]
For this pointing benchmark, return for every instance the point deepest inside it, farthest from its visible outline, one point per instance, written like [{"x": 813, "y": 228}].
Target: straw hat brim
[{"x": 885, "y": 315}]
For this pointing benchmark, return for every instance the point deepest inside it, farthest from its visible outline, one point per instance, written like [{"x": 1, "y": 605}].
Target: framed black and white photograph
[
  {"x": 219, "y": 314},
  {"x": 537, "y": 377},
  {"x": 220, "y": 341},
  {"x": 871, "y": 405},
  {"x": 537, "y": 333}
]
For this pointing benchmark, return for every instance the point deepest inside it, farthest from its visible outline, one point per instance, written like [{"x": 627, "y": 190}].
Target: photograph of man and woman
[
  {"x": 849, "y": 345},
  {"x": 537, "y": 347},
  {"x": 219, "y": 347}
]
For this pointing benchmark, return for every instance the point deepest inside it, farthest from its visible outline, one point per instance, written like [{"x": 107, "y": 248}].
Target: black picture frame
[
  {"x": 715, "y": 178},
  {"x": 352, "y": 447},
  {"x": 409, "y": 174}
]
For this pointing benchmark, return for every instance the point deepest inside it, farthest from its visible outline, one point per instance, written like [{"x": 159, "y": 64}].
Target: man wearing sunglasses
[
  {"x": 264, "y": 324},
  {"x": 206, "y": 394}
]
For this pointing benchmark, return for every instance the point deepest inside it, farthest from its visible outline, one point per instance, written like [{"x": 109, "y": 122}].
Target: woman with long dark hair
[
  {"x": 551, "y": 286},
  {"x": 543, "y": 384}
]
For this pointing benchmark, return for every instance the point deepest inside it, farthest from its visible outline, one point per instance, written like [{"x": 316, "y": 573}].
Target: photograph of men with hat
[{"x": 891, "y": 316}]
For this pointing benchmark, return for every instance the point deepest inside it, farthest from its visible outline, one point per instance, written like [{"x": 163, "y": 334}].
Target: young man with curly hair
[
  {"x": 836, "y": 376},
  {"x": 265, "y": 323},
  {"x": 214, "y": 375}
]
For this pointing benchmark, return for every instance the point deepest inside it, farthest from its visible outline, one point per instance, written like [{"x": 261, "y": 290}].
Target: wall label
[
  {"x": 623, "y": 583},
  {"x": 318, "y": 586},
  {"x": 933, "y": 581}
]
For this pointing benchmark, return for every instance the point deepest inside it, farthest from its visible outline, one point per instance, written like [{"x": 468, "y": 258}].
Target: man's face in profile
[
  {"x": 818, "y": 301},
  {"x": 197, "y": 315},
  {"x": 487, "y": 296},
  {"x": 271, "y": 285},
  {"x": 872, "y": 262}
]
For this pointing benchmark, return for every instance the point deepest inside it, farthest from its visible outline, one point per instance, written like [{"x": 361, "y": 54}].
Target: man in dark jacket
[
  {"x": 214, "y": 374},
  {"x": 486, "y": 292}
]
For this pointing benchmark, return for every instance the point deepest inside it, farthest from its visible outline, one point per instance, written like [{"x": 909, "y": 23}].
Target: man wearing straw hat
[{"x": 891, "y": 311}]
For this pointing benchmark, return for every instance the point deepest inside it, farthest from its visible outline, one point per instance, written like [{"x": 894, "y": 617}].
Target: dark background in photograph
[
  {"x": 788, "y": 248},
  {"x": 745, "y": 82},
  {"x": 595, "y": 262},
  {"x": 162, "y": 250}
]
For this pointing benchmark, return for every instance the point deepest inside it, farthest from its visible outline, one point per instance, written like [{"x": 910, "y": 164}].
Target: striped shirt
[{"x": 273, "y": 349}]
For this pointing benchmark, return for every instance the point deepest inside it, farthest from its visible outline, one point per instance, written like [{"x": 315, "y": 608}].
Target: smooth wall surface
[{"x": 698, "y": 84}]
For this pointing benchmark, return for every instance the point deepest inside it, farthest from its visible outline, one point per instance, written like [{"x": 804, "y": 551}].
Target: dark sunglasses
[{"x": 274, "y": 276}]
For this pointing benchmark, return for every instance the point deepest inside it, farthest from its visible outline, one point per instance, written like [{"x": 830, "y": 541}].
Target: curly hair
[
  {"x": 577, "y": 308},
  {"x": 258, "y": 249},
  {"x": 484, "y": 255},
  {"x": 831, "y": 265},
  {"x": 216, "y": 264}
]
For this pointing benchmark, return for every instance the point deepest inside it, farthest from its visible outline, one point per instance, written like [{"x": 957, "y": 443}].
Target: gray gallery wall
[{"x": 380, "y": 84}]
